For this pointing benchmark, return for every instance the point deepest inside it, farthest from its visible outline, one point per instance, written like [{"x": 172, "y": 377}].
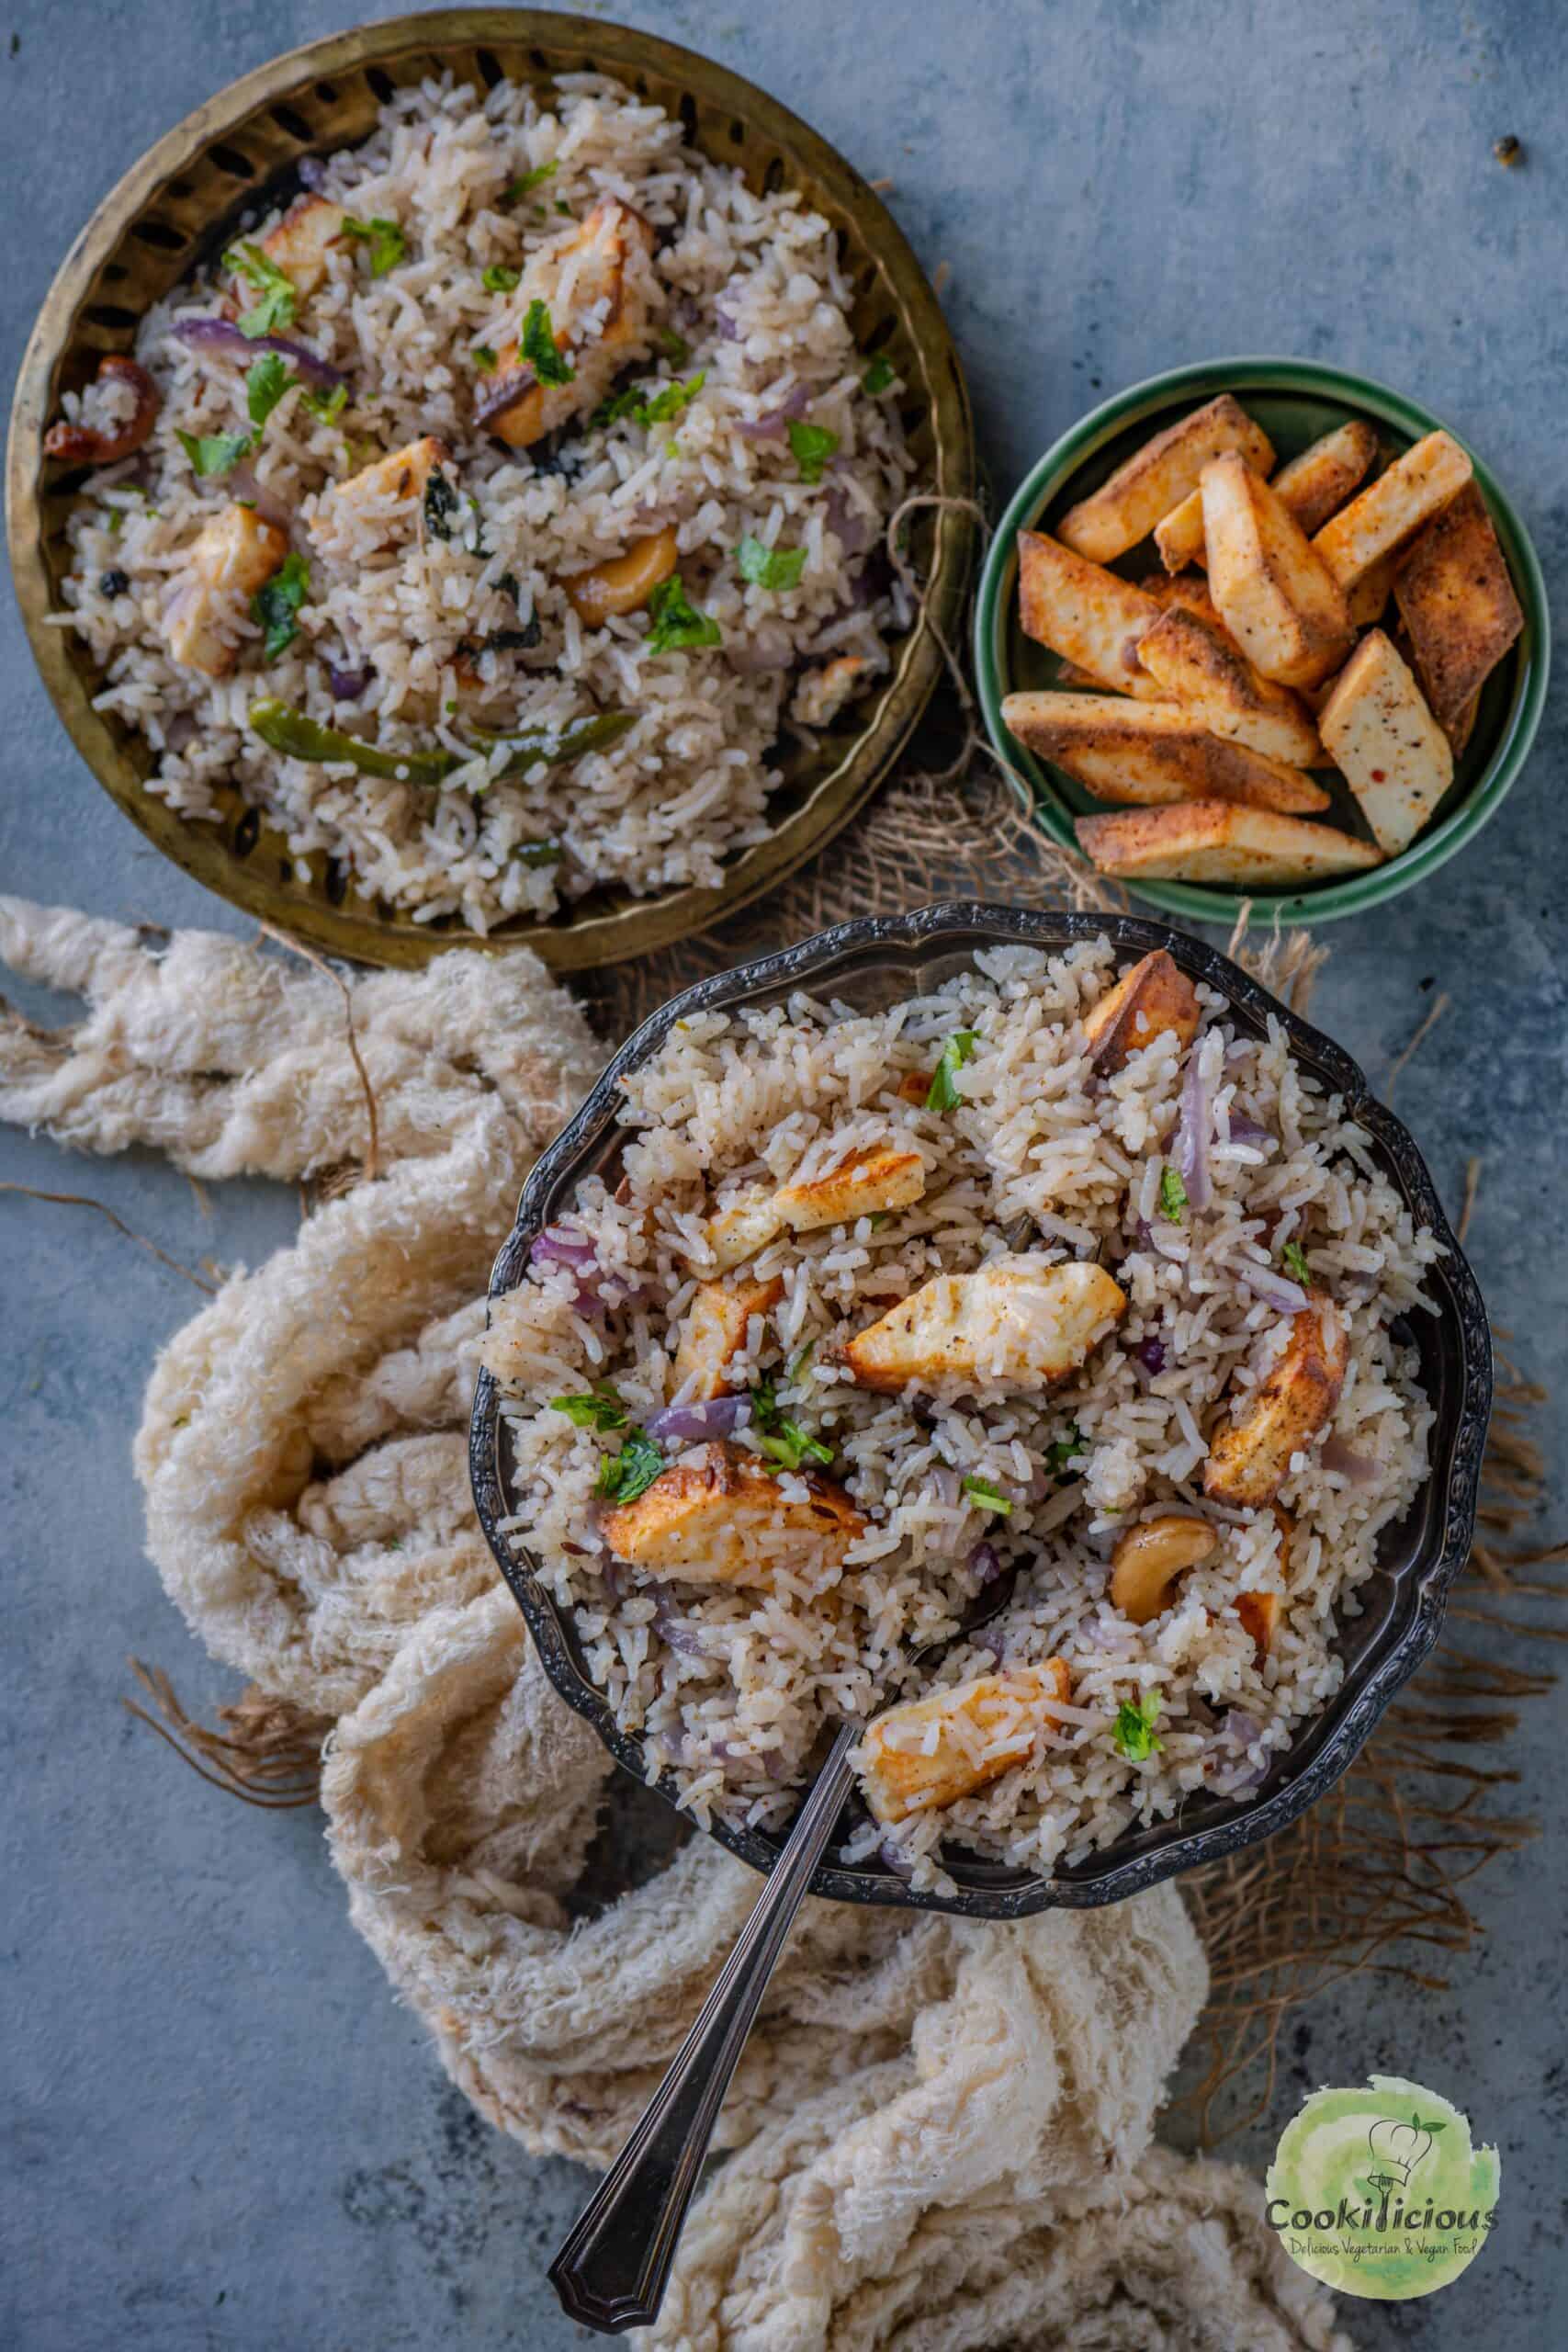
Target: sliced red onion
[
  {"x": 1274, "y": 1290},
  {"x": 853, "y": 530},
  {"x": 1194, "y": 1133},
  {"x": 557, "y": 1246},
  {"x": 1240, "y": 1729},
  {"x": 1151, "y": 1355},
  {"x": 1246, "y": 1130},
  {"x": 1163, "y": 1245},
  {"x": 612, "y": 1576},
  {"x": 695, "y": 1424},
  {"x": 774, "y": 423},
  {"x": 888, "y": 1855},
  {"x": 1359, "y": 1468},
  {"x": 312, "y": 172},
  {"x": 221, "y": 334},
  {"x": 347, "y": 685},
  {"x": 242, "y": 483},
  {"x": 985, "y": 1563},
  {"x": 726, "y": 323}
]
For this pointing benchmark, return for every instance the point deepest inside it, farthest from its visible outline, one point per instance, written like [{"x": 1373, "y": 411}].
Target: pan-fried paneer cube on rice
[
  {"x": 545, "y": 426},
  {"x": 1134, "y": 1341}
]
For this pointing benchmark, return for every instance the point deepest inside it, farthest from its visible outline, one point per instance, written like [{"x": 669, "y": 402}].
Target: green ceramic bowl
[{"x": 1294, "y": 400}]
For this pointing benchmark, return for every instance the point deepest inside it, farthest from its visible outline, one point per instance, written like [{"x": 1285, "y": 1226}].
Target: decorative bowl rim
[
  {"x": 625, "y": 926},
  {"x": 910, "y": 940},
  {"x": 1325, "y": 902}
]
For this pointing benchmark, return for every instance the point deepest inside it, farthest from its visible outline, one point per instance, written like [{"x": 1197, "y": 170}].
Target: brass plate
[{"x": 185, "y": 198}]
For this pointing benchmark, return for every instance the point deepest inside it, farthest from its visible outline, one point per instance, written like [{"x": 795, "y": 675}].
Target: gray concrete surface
[{"x": 220, "y": 2129}]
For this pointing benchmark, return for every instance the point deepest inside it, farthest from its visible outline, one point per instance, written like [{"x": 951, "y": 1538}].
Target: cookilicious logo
[{"x": 1379, "y": 2192}]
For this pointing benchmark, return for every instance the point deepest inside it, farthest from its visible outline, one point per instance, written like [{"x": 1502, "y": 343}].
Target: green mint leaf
[
  {"x": 1296, "y": 1266},
  {"x": 1135, "y": 1732},
  {"x": 279, "y": 304},
  {"x": 878, "y": 375},
  {"x": 530, "y": 180},
  {"x": 214, "y": 453},
  {"x": 599, "y": 1409},
  {"x": 563, "y": 207},
  {"x": 499, "y": 279},
  {"x": 387, "y": 242},
  {"x": 789, "y": 1445},
  {"x": 266, "y": 380},
  {"x": 277, "y": 603},
  {"x": 943, "y": 1093},
  {"x": 675, "y": 347},
  {"x": 1172, "y": 1195},
  {"x": 671, "y": 400},
  {"x": 484, "y": 358},
  {"x": 677, "y": 626},
  {"x": 537, "y": 345},
  {"x": 981, "y": 1492},
  {"x": 812, "y": 446},
  {"x": 623, "y": 1476},
  {"x": 326, "y": 405},
  {"x": 765, "y": 567}
]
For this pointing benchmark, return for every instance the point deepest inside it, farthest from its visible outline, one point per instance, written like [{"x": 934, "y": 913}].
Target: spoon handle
[{"x": 613, "y": 2268}]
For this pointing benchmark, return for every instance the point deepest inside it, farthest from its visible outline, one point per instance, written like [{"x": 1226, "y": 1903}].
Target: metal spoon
[{"x": 615, "y": 2264}]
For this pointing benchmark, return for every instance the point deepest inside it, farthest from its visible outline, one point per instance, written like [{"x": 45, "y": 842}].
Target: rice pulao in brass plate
[{"x": 231, "y": 158}]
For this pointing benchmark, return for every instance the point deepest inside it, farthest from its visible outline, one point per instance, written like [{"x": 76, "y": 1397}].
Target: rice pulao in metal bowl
[
  {"x": 482, "y": 533},
  {"x": 970, "y": 1246}
]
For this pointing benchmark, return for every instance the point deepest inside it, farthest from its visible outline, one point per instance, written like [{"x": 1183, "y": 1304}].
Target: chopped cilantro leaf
[
  {"x": 563, "y": 207},
  {"x": 277, "y": 603},
  {"x": 266, "y": 380},
  {"x": 1134, "y": 1733},
  {"x": 943, "y": 1093},
  {"x": 484, "y": 358},
  {"x": 784, "y": 1441},
  {"x": 878, "y": 375},
  {"x": 499, "y": 279},
  {"x": 765, "y": 567},
  {"x": 326, "y": 405},
  {"x": 214, "y": 453},
  {"x": 624, "y": 1475},
  {"x": 812, "y": 446},
  {"x": 1172, "y": 1195},
  {"x": 599, "y": 1409},
  {"x": 668, "y": 402},
  {"x": 979, "y": 1490},
  {"x": 1065, "y": 1449},
  {"x": 387, "y": 242},
  {"x": 538, "y": 345},
  {"x": 1296, "y": 1265},
  {"x": 531, "y": 180},
  {"x": 441, "y": 505},
  {"x": 278, "y": 303},
  {"x": 671, "y": 400},
  {"x": 677, "y": 626},
  {"x": 675, "y": 347}
]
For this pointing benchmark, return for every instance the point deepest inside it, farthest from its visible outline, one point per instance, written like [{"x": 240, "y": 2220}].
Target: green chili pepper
[{"x": 286, "y": 730}]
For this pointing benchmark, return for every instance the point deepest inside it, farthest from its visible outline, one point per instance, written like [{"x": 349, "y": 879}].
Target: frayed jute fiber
[{"x": 942, "y": 2134}]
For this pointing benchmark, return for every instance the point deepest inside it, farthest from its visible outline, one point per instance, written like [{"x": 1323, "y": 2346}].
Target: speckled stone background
[{"x": 220, "y": 2129}]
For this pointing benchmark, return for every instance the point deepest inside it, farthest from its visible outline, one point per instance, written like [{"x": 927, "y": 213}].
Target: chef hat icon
[{"x": 1399, "y": 2147}]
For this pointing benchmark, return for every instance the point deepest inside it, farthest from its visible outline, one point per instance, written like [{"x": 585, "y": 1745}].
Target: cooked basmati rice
[
  {"x": 729, "y": 1689},
  {"x": 747, "y": 292}
]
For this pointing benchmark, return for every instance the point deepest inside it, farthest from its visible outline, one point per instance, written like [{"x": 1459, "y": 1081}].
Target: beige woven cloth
[{"x": 941, "y": 2132}]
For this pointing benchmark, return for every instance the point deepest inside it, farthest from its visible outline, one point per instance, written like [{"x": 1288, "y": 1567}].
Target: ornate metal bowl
[
  {"x": 871, "y": 963},
  {"x": 240, "y": 154}
]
